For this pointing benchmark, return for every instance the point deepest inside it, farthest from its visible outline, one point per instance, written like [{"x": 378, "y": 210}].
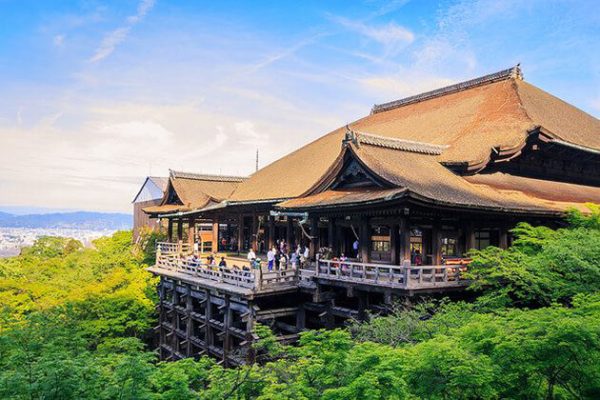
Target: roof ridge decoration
[
  {"x": 206, "y": 177},
  {"x": 510, "y": 73},
  {"x": 359, "y": 138}
]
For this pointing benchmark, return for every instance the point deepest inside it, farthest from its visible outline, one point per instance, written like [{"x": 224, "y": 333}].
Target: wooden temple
[{"x": 402, "y": 195}]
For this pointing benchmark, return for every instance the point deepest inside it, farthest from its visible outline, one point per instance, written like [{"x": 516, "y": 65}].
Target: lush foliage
[
  {"x": 543, "y": 266},
  {"x": 75, "y": 325}
]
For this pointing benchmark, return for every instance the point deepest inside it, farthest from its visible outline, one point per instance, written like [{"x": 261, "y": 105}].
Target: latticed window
[
  {"x": 482, "y": 239},
  {"x": 449, "y": 246}
]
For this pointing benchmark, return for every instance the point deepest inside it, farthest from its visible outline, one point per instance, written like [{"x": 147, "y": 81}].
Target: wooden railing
[
  {"x": 175, "y": 257},
  {"x": 253, "y": 279},
  {"x": 172, "y": 248},
  {"x": 395, "y": 276}
]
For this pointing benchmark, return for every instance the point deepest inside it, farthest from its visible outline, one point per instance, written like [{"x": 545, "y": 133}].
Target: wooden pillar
[
  {"x": 469, "y": 236},
  {"x": 254, "y": 234},
  {"x": 301, "y": 318},
  {"x": 271, "y": 241},
  {"x": 395, "y": 244},
  {"x": 191, "y": 231},
  {"x": 364, "y": 241},
  {"x": 503, "y": 237},
  {"x": 436, "y": 248},
  {"x": 189, "y": 322},
  {"x": 227, "y": 327},
  {"x": 289, "y": 231},
  {"x": 240, "y": 232},
  {"x": 404, "y": 240},
  {"x": 363, "y": 303},
  {"x": 337, "y": 234},
  {"x": 314, "y": 233},
  {"x": 208, "y": 339},
  {"x": 161, "y": 318},
  {"x": 170, "y": 230},
  {"x": 215, "y": 235},
  {"x": 331, "y": 232},
  {"x": 179, "y": 229}
]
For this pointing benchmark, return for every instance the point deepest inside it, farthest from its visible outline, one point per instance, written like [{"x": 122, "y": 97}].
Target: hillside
[{"x": 73, "y": 220}]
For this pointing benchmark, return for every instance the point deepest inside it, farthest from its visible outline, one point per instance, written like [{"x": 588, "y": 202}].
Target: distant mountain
[{"x": 71, "y": 220}]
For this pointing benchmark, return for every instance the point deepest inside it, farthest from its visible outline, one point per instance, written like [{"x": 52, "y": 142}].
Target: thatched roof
[
  {"x": 189, "y": 191},
  {"x": 463, "y": 123}
]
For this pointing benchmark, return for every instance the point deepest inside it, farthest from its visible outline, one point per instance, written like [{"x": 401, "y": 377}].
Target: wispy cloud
[
  {"x": 390, "y": 35},
  {"x": 285, "y": 53},
  {"x": 115, "y": 37},
  {"x": 58, "y": 40}
]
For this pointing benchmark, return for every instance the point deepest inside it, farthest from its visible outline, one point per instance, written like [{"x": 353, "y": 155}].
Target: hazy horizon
[{"x": 32, "y": 210}]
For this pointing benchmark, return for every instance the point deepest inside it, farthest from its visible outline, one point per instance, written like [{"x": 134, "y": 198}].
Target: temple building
[
  {"x": 150, "y": 194},
  {"x": 388, "y": 206},
  {"x": 186, "y": 191}
]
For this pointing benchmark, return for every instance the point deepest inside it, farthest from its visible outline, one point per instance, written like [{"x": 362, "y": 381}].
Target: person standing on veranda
[{"x": 271, "y": 258}]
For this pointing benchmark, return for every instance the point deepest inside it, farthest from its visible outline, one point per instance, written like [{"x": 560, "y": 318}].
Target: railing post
[{"x": 406, "y": 273}]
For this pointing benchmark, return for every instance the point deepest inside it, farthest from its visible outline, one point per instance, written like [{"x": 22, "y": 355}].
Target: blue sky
[{"x": 98, "y": 94}]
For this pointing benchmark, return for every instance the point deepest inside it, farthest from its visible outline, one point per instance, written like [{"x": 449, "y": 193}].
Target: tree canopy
[{"x": 76, "y": 324}]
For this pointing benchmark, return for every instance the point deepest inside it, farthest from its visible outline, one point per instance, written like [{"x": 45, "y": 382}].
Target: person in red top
[{"x": 418, "y": 258}]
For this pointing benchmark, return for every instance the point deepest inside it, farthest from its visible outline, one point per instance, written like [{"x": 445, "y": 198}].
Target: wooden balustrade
[
  {"x": 395, "y": 276},
  {"x": 172, "y": 248},
  {"x": 171, "y": 256},
  {"x": 255, "y": 279}
]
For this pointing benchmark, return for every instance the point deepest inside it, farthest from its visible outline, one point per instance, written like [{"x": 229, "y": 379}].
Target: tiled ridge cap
[
  {"x": 206, "y": 177},
  {"x": 360, "y": 138},
  {"x": 510, "y": 73}
]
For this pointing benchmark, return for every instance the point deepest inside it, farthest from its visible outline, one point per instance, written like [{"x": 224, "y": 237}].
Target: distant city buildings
[{"x": 12, "y": 240}]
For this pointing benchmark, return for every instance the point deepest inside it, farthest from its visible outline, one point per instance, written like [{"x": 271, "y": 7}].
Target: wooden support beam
[
  {"x": 191, "y": 231},
  {"x": 503, "y": 237},
  {"x": 362, "y": 305},
  {"x": 170, "y": 230},
  {"x": 301, "y": 319},
  {"x": 436, "y": 248},
  {"x": 337, "y": 234},
  {"x": 179, "y": 229},
  {"x": 208, "y": 340},
  {"x": 289, "y": 232},
  {"x": 240, "y": 232},
  {"x": 469, "y": 235},
  {"x": 395, "y": 243},
  {"x": 314, "y": 233},
  {"x": 215, "y": 235},
  {"x": 271, "y": 240},
  {"x": 365, "y": 239},
  {"x": 190, "y": 324},
  {"x": 254, "y": 233},
  {"x": 404, "y": 249},
  {"x": 330, "y": 232},
  {"x": 226, "y": 327}
]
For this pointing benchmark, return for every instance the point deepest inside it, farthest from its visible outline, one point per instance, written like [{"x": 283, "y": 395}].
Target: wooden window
[
  {"x": 449, "y": 247},
  {"x": 482, "y": 239}
]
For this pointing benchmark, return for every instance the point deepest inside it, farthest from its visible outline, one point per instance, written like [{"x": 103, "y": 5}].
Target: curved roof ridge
[
  {"x": 398, "y": 144},
  {"x": 206, "y": 177},
  {"x": 509, "y": 73}
]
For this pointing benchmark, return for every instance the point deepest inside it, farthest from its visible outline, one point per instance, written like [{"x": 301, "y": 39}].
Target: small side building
[
  {"x": 186, "y": 191},
  {"x": 150, "y": 194}
]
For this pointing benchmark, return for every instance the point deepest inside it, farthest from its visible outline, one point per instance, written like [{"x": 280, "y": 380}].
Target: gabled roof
[
  {"x": 159, "y": 182},
  {"x": 466, "y": 123},
  {"x": 189, "y": 191},
  {"x": 416, "y": 175}
]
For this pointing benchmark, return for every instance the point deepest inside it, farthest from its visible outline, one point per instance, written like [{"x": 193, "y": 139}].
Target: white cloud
[
  {"x": 59, "y": 40},
  {"x": 406, "y": 83},
  {"x": 117, "y": 36},
  {"x": 390, "y": 34}
]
